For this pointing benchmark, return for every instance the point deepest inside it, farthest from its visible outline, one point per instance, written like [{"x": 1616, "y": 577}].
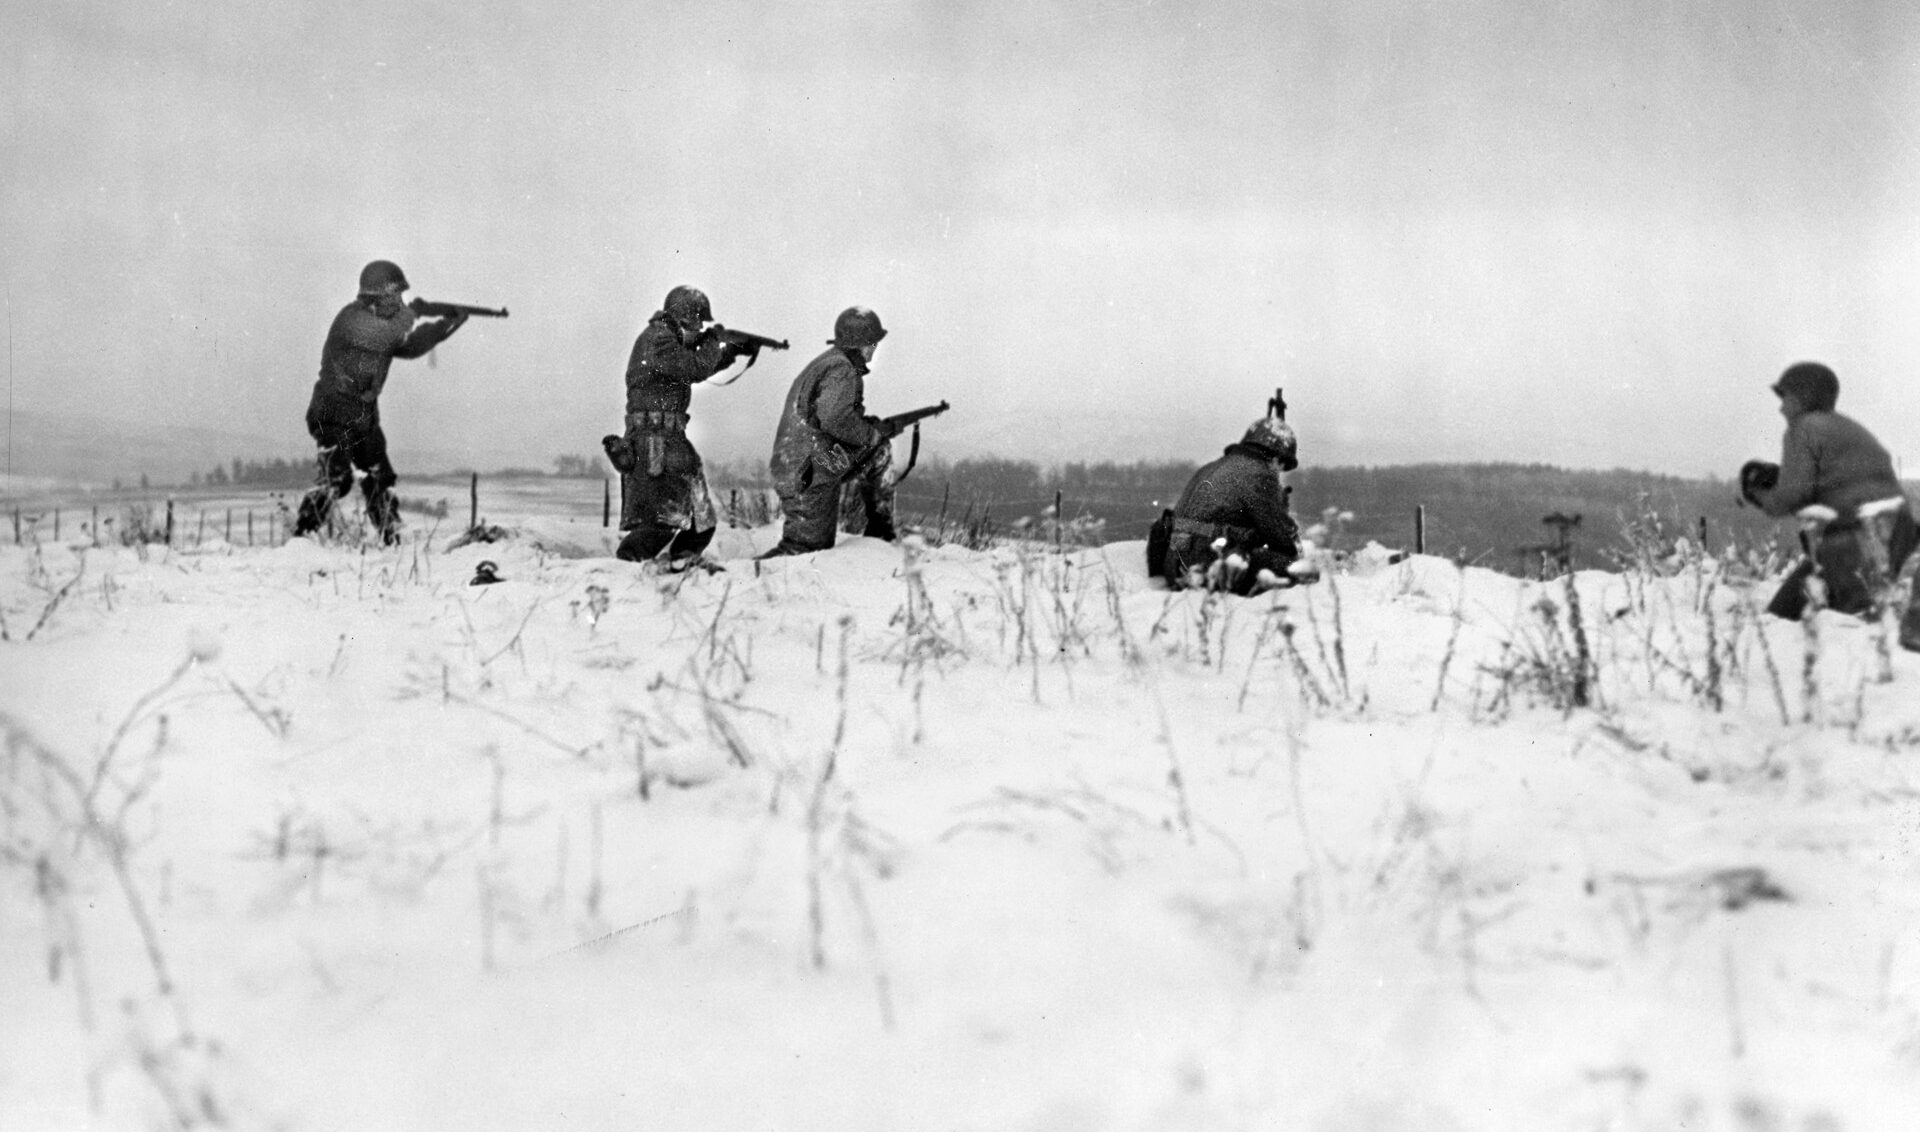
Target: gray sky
[{"x": 1585, "y": 233}]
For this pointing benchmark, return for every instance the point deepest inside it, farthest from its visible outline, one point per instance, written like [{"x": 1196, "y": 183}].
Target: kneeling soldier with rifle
[
  {"x": 665, "y": 504},
  {"x": 826, "y": 440},
  {"x": 1231, "y": 529},
  {"x": 344, "y": 415}
]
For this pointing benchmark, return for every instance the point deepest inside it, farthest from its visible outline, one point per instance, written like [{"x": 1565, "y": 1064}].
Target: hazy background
[{"x": 1582, "y": 233}]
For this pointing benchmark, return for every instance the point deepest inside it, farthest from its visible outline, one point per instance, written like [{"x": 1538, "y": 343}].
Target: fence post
[
  {"x": 473, "y": 502},
  {"x": 95, "y": 526},
  {"x": 56, "y": 524},
  {"x": 606, "y": 503},
  {"x": 229, "y": 526},
  {"x": 200, "y": 536},
  {"x": 169, "y": 522},
  {"x": 16, "y": 526},
  {"x": 249, "y": 526},
  {"x": 1420, "y": 529}
]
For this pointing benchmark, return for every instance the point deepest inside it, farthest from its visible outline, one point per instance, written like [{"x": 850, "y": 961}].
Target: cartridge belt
[{"x": 657, "y": 420}]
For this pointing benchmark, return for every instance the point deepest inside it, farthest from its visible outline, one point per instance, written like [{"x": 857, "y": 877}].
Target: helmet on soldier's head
[
  {"x": 688, "y": 307},
  {"x": 1815, "y": 385},
  {"x": 856, "y": 327},
  {"x": 382, "y": 276},
  {"x": 1274, "y": 437}
]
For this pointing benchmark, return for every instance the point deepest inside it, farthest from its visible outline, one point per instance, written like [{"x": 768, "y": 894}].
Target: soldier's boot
[
  {"x": 877, "y": 502},
  {"x": 383, "y": 511},
  {"x": 315, "y": 508},
  {"x": 687, "y": 546},
  {"x": 644, "y": 542}
]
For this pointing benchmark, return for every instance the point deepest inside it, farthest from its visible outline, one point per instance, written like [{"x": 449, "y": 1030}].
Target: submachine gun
[{"x": 427, "y": 308}]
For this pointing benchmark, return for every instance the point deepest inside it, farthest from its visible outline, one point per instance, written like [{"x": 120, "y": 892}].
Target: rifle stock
[{"x": 431, "y": 309}]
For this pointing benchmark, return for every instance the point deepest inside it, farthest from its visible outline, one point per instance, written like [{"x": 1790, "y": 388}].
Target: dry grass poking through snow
[{"x": 943, "y": 835}]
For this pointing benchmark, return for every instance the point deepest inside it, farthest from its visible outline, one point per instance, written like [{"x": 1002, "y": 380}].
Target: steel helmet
[
  {"x": 688, "y": 306},
  {"x": 381, "y": 276},
  {"x": 856, "y": 327},
  {"x": 1815, "y": 385},
  {"x": 1274, "y": 437}
]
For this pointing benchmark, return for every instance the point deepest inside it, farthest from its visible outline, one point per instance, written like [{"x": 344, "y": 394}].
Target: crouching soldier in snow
[
  {"x": 344, "y": 415},
  {"x": 665, "y": 504},
  {"x": 826, "y": 440},
  {"x": 1231, "y": 529},
  {"x": 1832, "y": 460}
]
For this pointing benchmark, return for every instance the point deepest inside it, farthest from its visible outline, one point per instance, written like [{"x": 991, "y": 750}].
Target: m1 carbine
[
  {"x": 427, "y": 308},
  {"x": 744, "y": 340}
]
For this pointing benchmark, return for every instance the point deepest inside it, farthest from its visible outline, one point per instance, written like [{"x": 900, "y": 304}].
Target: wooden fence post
[
  {"x": 95, "y": 527},
  {"x": 249, "y": 526},
  {"x": 56, "y": 524},
  {"x": 169, "y": 522},
  {"x": 606, "y": 503},
  {"x": 473, "y": 502},
  {"x": 1420, "y": 529},
  {"x": 229, "y": 526}
]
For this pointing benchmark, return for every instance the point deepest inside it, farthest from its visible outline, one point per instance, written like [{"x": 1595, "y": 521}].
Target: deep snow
[{"x": 940, "y": 838}]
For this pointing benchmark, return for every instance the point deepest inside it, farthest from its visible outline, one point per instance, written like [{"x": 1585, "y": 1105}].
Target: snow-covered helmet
[
  {"x": 1274, "y": 437},
  {"x": 688, "y": 307},
  {"x": 856, "y": 327},
  {"x": 382, "y": 276}
]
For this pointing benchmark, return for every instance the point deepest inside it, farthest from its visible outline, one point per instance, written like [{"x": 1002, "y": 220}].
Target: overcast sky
[{"x": 1586, "y": 233}]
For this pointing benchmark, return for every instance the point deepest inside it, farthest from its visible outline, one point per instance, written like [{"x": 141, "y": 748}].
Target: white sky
[{"x": 1582, "y": 233}]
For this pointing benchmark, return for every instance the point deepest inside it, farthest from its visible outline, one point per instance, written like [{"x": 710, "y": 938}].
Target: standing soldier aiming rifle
[
  {"x": 343, "y": 416},
  {"x": 665, "y": 504}
]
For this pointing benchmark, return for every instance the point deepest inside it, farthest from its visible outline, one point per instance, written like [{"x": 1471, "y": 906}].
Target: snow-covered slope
[{"x": 902, "y": 837}]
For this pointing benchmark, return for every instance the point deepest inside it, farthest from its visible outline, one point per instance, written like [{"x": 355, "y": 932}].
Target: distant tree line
[
  {"x": 1494, "y": 515},
  {"x": 254, "y": 473}
]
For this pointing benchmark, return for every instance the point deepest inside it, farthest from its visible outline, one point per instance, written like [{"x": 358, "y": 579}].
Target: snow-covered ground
[{"x": 894, "y": 837}]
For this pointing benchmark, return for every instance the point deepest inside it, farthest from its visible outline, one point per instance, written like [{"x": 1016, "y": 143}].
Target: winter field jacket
[
  {"x": 662, "y": 370},
  {"x": 1240, "y": 489},
  {"x": 359, "y": 350},
  {"x": 825, "y": 409},
  {"x": 1831, "y": 459}
]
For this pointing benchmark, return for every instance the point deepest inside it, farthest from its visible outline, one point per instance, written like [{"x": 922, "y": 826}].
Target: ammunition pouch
[{"x": 619, "y": 453}]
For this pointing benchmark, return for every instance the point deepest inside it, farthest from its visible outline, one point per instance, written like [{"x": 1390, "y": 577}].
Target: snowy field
[{"x": 897, "y": 837}]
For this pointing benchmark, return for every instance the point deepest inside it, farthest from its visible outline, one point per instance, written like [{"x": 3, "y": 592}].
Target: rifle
[
  {"x": 747, "y": 343},
  {"x": 897, "y": 424},
  {"x": 744, "y": 340},
  {"x": 429, "y": 309}
]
